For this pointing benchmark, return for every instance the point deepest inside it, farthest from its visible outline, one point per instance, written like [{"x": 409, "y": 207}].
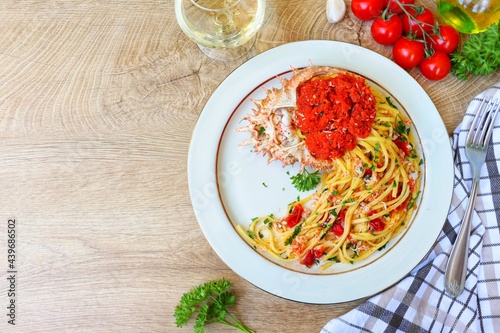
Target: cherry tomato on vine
[
  {"x": 387, "y": 31},
  {"x": 436, "y": 67},
  {"x": 445, "y": 39},
  {"x": 367, "y": 9},
  {"x": 408, "y": 53},
  {"x": 419, "y": 18},
  {"x": 394, "y": 6}
]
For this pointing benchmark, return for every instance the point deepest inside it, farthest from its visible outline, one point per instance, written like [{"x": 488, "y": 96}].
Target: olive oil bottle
[{"x": 469, "y": 16}]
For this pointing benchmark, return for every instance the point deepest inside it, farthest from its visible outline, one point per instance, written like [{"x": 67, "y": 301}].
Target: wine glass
[{"x": 223, "y": 29}]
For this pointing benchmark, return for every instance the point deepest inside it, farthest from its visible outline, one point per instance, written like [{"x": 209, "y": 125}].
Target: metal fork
[{"x": 476, "y": 144}]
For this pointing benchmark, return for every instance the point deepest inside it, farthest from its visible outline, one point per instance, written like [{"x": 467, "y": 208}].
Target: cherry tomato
[
  {"x": 367, "y": 9},
  {"x": 418, "y": 19},
  {"x": 295, "y": 216},
  {"x": 408, "y": 53},
  {"x": 394, "y": 7},
  {"x": 445, "y": 39},
  {"x": 387, "y": 31},
  {"x": 436, "y": 67}
]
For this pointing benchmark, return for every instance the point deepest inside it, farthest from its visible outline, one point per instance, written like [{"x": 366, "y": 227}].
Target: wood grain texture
[{"x": 98, "y": 101}]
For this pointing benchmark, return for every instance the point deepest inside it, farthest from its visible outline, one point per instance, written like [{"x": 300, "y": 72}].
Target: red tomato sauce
[{"x": 332, "y": 113}]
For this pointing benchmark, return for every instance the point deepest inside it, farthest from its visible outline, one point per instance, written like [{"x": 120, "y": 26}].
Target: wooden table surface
[{"x": 98, "y": 101}]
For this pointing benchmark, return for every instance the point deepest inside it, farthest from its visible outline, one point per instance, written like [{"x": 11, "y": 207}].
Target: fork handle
[{"x": 456, "y": 269}]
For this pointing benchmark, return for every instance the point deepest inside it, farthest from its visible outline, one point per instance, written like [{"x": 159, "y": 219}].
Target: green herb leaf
[
  {"x": 480, "y": 54},
  {"x": 402, "y": 129},
  {"x": 210, "y": 300},
  {"x": 306, "y": 181},
  {"x": 411, "y": 204}
]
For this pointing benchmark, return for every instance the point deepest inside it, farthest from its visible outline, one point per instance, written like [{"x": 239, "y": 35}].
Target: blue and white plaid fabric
[{"x": 419, "y": 303}]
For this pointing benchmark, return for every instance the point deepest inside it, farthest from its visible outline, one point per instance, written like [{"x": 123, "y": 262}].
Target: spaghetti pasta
[{"x": 364, "y": 200}]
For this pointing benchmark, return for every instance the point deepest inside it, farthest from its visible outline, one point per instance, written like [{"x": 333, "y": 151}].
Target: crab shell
[{"x": 271, "y": 126}]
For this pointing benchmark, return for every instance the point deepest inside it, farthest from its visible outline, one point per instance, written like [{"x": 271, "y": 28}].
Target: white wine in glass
[{"x": 223, "y": 29}]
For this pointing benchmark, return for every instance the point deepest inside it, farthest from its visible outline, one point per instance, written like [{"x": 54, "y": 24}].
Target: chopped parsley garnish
[
  {"x": 411, "y": 204},
  {"x": 334, "y": 259},
  {"x": 401, "y": 128},
  {"x": 251, "y": 234},
  {"x": 296, "y": 231},
  {"x": 388, "y": 99}
]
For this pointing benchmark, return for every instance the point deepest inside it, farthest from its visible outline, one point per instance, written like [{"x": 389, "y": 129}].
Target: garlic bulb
[{"x": 335, "y": 10}]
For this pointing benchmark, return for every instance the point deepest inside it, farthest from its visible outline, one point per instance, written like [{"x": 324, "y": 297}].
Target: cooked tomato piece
[
  {"x": 377, "y": 224},
  {"x": 311, "y": 256},
  {"x": 341, "y": 217},
  {"x": 337, "y": 229},
  {"x": 318, "y": 251},
  {"x": 403, "y": 206},
  {"x": 295, "y": 216},
  {"x": 309, "y": 259},
  {"x": 404, "y": 146}
]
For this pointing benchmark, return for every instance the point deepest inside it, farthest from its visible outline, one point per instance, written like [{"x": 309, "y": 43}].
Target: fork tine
[
  {"x": 473, "y": 131},
  {"x": 483, "y": 125},
  {"x": 492, "y": 115}
]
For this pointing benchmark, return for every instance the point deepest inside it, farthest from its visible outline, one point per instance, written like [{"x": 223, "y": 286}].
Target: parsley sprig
[
  {"x": 305, "y": 180},
  {"x": 480, "y": 54},
  {"x": 210, "y": 300}
]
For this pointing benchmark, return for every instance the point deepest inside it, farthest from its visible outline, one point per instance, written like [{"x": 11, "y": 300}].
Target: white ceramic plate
[{"x": 229, "y": 184}]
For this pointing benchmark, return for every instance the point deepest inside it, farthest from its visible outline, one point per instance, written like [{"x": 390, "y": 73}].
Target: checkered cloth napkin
[{"x": 419, "y": 303}]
